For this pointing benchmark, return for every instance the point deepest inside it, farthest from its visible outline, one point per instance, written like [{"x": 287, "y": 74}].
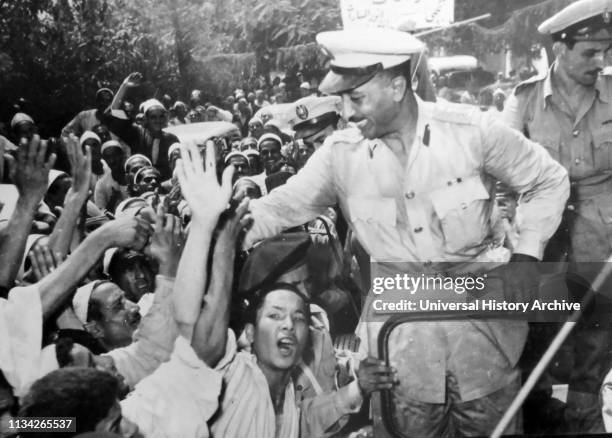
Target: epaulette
[
  {"x": 455, "y": 113},
  {"x": 529, "y": 83},
  {"x": 351, "y": 136}
]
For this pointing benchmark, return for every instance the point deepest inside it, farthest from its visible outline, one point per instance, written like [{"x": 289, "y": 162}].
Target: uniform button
[
  {"x": 410, "y": 195},
  {"x": 570, "y": 207},
  {"x": 463, "y": 205},
  {"x": 459, "y": 180},
  {"x": 418, "y": 229},
  {"x": 576, "y": 132},
  {"x": 299, "y": 387},
  {"x": 577, "y": 161},
  {"x": 449, "y": 183}
]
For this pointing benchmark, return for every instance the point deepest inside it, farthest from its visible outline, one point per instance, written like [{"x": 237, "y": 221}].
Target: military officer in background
[
  {"x": 569, "y": 111},
  {"x": 315, "y": 119},
  {"x": 416, "y": 182}
]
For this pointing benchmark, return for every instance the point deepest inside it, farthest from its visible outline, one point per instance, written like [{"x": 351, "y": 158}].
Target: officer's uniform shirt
[
  {"x": 436, "y": 209},
  {"x": 582, "y": 143}
]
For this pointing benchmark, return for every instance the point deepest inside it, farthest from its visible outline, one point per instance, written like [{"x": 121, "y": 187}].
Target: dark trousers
[{"x": 454, "y": 417}]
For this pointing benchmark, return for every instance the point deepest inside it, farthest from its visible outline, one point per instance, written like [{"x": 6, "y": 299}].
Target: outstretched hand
[
  {"x": 133, "y": 79},
  {"x": 80, "y": 165},
  {"x": 239, "y": 221},
  {"x": 167, "y": 241},
  {"x": 127, "y": 232},
  {"x": 43, "y": 260},
  {"x": 207, "y": 198},
  {"x": 32, "y": 170}
]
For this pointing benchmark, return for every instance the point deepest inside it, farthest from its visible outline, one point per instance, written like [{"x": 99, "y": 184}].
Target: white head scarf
[{"x": 80, "y": 301}]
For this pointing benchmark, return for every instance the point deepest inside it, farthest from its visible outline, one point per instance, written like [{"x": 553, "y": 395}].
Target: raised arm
[
  {"x": 80, "y": 165},
  {"x": 210, "y": 333},
  {"x": 133, "y": 79},
  {"x": 207, "y": 200},
  {"x": 157, "y": 331},
  {"x": 304, "y": 197},
  {"x": 54, "y": 288},
  {"x": 30, "y": 177}
]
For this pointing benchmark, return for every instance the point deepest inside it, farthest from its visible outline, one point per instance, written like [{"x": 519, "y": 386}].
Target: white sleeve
[
  {"x": 304, "y": 197},
  {"x": 21, "y": 323},
  {"x": 178, "y": 399}
]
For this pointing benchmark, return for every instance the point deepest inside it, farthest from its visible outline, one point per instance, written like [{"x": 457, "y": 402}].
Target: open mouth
[{"x": 286, "y": 346}]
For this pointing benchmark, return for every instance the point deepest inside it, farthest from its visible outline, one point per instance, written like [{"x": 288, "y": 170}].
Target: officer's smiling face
[
  {"x": 585, "y": 60},
  {"x": 372, "y": 107}
]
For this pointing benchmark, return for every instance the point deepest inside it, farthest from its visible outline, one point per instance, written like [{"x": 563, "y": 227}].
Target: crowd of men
[{"x": 160, "y": 287}]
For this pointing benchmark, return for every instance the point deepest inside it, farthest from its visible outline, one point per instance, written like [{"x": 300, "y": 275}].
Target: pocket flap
[
  {"x": 602, "y": 135},
  {"x": 381, "y": 210},
  {"x": 459, "y": 195}
]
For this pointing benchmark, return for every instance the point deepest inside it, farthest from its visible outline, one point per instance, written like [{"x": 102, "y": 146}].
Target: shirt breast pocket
[
  {"x": 380, "y": 211},
  {"x": 602, "y": 147},
  {"x": 463, "y": 210}
]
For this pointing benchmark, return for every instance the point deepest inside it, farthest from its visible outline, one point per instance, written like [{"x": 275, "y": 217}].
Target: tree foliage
[{"x": 56, "y": 53}]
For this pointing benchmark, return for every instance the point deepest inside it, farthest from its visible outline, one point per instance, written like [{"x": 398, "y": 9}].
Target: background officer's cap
[
  {"x": 357, "y": 55},
  {"x": 580, "y": 21},
  {"x": 312, "y": 114}
]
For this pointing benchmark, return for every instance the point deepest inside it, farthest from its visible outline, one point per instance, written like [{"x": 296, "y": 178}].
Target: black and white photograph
[{"x": 305, "y": 218}]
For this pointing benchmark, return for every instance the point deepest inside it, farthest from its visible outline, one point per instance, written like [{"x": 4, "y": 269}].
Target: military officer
[
  {"x": 415, "y": 181},
  {"x": 568, "y": 109},
  {"x": 314, "y": 120}
]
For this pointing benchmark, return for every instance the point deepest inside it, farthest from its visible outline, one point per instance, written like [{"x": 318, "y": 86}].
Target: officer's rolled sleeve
[
  {"x": 527, "y": 168},
  {"x": 304, "y": 197},
  {"x": 512, "y": 115}
]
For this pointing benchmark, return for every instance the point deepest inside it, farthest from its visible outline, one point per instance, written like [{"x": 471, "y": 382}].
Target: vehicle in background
[{"x": 459, "y": 74}]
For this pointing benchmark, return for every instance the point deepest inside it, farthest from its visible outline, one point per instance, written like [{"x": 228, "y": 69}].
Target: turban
[
  {"x": 134, "y": 157},
  {"x": 269, "y": 136},
  {"x": 20, "y": 118},
  {"x": 87, "y": 135},
  {"x": 110, "y": 144},
  {"x": 80, "y": 301},
  {"x": 151, "y": 104},
  {"x": 235, "y": 154}
]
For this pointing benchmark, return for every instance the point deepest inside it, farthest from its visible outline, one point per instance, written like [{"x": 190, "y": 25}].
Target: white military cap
[
  {"x": 357, "y": 55},
  {"x": 579, "y": 21},
  {"x": 312, "y": 114}
]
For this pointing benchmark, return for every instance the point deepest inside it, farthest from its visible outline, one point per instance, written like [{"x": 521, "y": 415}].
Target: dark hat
[{"x": 272, "y": 258}]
